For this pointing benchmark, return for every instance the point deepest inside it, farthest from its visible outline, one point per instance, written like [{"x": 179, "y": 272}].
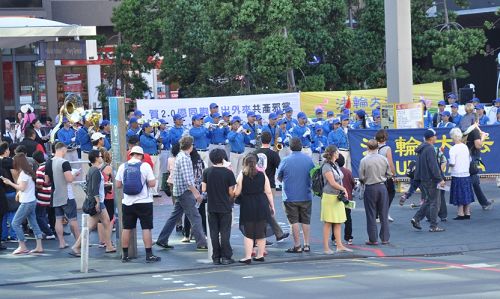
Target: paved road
[{"x": 472, "y": 275}]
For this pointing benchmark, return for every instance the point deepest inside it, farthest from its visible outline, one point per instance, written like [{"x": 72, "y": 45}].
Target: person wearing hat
[
  {"x": 105, "y": 129},
  {"x": 427, "y": 114},
  {"x": 177, "y": 131},
  {"x": 492, "y": 114},
  {"x": 304, "y": 133},
  {"x": 455, "y": 116},
  {"x": 452, "y": 98},
  {"x": 338, "y": 137},
  {"x": 97, "y": 139},
  {"x": 328, "y": 124},
  {"x": 134, "y": 128},
  {"x": 498, "y": 118},
  {"x": 445, "y": 120},
  {"x": 226, "y": 117},
  {"x": 258, "y": 119},
  {"x": 163, "y": 137},
  {"x": 83, "y": 140},
  {"x": 283, "y": 137},
  {"x": 66, "y": 134},
  {"x": 483, "y": 119},
  {"x": 290, "y": 121},
  {"x": 138, "y": 114},
  {"x": 271, "y": 127},
  {"x": 475, "y": 101},
  {"x": 319, "y": 143},
  {"x": 376, "y": 120},
  {"x": 360, "y": 122},
  {"x": 201, "y": 136},
  {"x": 236, "y": 139},
  {"x": 218, "y": 134},
  {"x": 214, "y": 108},
  {"x": 279, "y": 114},
  {"x": 428, "y": 172},
  {"x": 139, "y": 206},
  {"x": 319, "y": 116},
  {"x": 251, "y": 126},
  {"x": 149, "y": 144}
]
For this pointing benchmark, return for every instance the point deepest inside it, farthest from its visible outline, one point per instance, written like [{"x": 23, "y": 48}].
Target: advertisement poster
[
  {"x": 387, "y": 120},
  {"x": 409, "y": 116},
  {"x": 72, "y": 83}
]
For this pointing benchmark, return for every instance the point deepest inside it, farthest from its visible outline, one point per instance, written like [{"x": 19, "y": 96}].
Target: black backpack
[{"x": 317, "y": 180}]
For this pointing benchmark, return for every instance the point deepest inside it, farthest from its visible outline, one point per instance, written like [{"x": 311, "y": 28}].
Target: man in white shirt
[{"x": 138, "y": 205}]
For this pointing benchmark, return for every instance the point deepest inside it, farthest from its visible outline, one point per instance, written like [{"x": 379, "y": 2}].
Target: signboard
[
  {"x": 404, "y": 142},
  {"x": 387, "y": 116},
  {"x": 409, "y": 116},
  {"x": 236, "y": 105},
  {"x": 75, "y": 49}
]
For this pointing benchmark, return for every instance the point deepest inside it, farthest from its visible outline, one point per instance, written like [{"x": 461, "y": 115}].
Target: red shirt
[
  {"x": 348, "y": 182},
  {"x": 146, "y": 158}
]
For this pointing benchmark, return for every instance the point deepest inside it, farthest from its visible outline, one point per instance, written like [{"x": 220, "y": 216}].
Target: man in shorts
[
  {"x": 297, "y": 195},
  {"x": 139, "y": 206},
  {"x": 58, "y": 171}
]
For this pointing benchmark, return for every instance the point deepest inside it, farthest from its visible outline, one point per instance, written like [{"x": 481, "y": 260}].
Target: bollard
[
  {"x": 209, "y": 240},
  {"x": 84, "y": 257}
]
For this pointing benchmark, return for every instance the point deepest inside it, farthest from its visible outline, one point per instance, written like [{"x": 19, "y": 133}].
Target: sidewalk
[{"x": 477, "y": 234}]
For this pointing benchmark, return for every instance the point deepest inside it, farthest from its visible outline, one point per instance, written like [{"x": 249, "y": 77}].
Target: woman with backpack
[
  {"x": 332, "y": 208},
  {"x": 95, "y": 193},
  {"x": 25, "y": 188}
]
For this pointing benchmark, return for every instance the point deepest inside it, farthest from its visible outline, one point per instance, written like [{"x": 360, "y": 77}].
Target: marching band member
[
  {"x": 258, "y": 119},
  {"x": 290, "y": 122},
  {"x": 226, "y": 116},
  {"x": 83, "y": 138},
  {"x": 492, "y": 114},
  {"x": 376, "y": 120},
  {"x": 456, "y": 117},
  {"x": 163, "y": 137},
  {"x": 436, "y": 118},
  {"x": 319, "y": 144},
  {"x": 214, "y": 108},
  {"x": 328, "y": 123},
  {"x": 483, "y": 119},
  {"x": 149, "y": 145},
  {"x": 445, "y": 120},
  {"x": 319, "y": 116},
  {"x": 360, "y": 120},
  {"x": 201, "y": 136},
  {"x": 279, "y": 114},
  {"x": 218, "y": 134},
  {"x": 134, "y": 127},
  {"x": 271, "y": 127},
  {"x": 338, "y": 137},
  {"x": 236, "y": 142},
  {"x": 177, "y": 130},
  {"x": 66, "y": 134},
  {"x": 138, "y": 114},
  {"x": 303, "y": 132},
  {"x": 105, "y": 129},
  {"x": 250, "y": 138}
]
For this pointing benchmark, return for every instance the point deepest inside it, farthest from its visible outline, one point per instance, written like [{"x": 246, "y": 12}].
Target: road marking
[
  {"x": 176, "y": 290},
  {"x": 376, "y": 251},
  {"x": 310, "y": 278},
  {"x": 156, "y": 276},
  {"x": 460, "y": 266},
  {"x": 479, "y": 265},
  {"x": 178, "y": 281},
  {"x": 224, "y": 294},
  {"x": 247, "y": 277},
  {"x": 238, "y": 297},
  {"x": 212, "y": 291},
  {"x": 371, "y": 263},
  {"x": 200, "y": 273},
  {"x": 189, "y": 284},
  {"x": 438, "y": 268},
  {"x": 69, "y": 284}
]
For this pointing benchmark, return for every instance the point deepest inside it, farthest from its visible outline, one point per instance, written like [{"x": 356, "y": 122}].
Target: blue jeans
[
  {"x": 413, "y": 187},
  {"x": 43, "y": 220},
  {"x": 26, "y": 211},
  {"x": 7, "y": 230}
]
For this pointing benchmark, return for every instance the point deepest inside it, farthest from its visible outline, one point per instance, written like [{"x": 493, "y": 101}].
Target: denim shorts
[{"x": 68, "y": 210}]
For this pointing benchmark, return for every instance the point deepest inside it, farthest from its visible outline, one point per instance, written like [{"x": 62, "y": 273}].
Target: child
[{"x": 349, "y": 184}]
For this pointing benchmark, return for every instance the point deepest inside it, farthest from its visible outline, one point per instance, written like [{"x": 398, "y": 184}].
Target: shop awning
[{"x": 20, "y": 31}]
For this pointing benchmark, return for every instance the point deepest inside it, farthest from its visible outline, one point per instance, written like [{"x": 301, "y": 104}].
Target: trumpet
[
  {"x": 279, "y": 146},
  {"x": 248, "y": 131},
  {"x": 223, "y": 124}
]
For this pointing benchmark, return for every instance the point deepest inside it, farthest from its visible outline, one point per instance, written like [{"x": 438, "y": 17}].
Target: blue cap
[
  {"x": 283, "y": 121},
  {"x": 65, "y": 119},
  {"x": 258, "y": 116},
  {"x": 475, "y": 100},
  {"x": 497, "y": 100},
  {"x": 132, "y": 120},
  {"x": 318, "y": 111},
  {"x": 177, "y": 116},
  {"x": 162, "y": 121},
  {"x": 213, "y": 105},
  {"x": 145, "y": 125},
  {"x": 236, "y": 119},
  {"x": 480, "y": 106},
  {"x": 441, "y": 103},
  {"x": 225, "y": 114},
  {"x": 301, "y": 115},
  {"x": 445, "y": 113},
  {"x": 197, "y": 117},
  {"x": 279, "y": 112},
  {"x": 138, "y": 113},
  {"x": 272, "y": 116},
  {"x": 344, "y": 117},
  {"x": 361, "y": 113},
  {"x": 317, "y": 127},
  {"x": 104, "y": 122},
  {"x": 216, "y": 115},
  {"x": 454, "y": 105},
  {"x": 329, "y": 113},
  {"x": 376, "y": 113},
  {"x": 288, "y": 109},
  {"x": 250, "y": 113},
  {"x": 452, "y": 95},
  {"x": 337, "y": 121}
]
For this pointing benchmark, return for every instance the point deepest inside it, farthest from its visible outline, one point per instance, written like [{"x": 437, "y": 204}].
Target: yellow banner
[{"x": 367, "y": 100}]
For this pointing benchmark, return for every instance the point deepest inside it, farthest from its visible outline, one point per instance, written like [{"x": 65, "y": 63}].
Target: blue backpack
[{"x": 132, "y": 179}]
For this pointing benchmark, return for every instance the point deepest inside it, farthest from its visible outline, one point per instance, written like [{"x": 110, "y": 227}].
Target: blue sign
[{"x": 404, "y": 142}]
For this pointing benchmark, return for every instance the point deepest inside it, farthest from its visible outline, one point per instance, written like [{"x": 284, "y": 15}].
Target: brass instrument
[
  {"x": 247, "y": 131},
  {"x": 223, "y": 124},
  {"x": 93, "y": 117},
  {"x": 72, "y": 109},
  {"x": 279, "y": 146}
]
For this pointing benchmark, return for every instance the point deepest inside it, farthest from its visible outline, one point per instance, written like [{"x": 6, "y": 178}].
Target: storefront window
[{"x": 8, "y": 80}]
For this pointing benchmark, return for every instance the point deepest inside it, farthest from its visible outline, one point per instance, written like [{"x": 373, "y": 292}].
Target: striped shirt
[{"x": 42, "y": 190}]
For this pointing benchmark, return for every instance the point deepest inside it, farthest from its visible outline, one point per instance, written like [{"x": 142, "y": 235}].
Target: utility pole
[{"x": 453, "y": 71}]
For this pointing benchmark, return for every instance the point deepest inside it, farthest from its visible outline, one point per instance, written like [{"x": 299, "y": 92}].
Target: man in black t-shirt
[
  {"x": 7, "y": 192},
  {"x": 475, "y": 141},
  {"x": 219, "y": 182}
]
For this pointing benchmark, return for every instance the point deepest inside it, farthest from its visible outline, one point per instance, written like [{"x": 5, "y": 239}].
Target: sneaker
[
  {"x": 178, "y": 228},
  {"x": 269, "y": 243},
  {"x": 402, "y": 200},
  {"x": 227, "y": 261},
  {"x": 50, "y": 237},
  {"x": 390, "y": 218},
  {"x": 490, "y": 206},
  {"x": 283, "y": 237},
  {"x": 153, "y": 259},
  {"x": 126, "y": 259},
  {"x": 166, "y": 246},
  {"x": 216, "y": 261},
  {"x": 202, "y": 248},
  {"x": 185, "y": 240},
  {"x": 416, "y": 224}
]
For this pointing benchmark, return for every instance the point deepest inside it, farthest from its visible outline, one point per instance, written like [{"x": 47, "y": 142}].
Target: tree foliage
[{"x": 222, "y": 47}]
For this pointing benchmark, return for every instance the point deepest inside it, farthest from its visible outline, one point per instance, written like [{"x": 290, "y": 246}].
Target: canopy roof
[{"x": 20, "y": 31}]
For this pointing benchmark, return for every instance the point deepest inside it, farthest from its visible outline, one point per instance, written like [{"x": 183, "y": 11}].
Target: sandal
[
  {"x": 74, "y": 254},
  {"x": 20, "y": 251},
  {"x": 436, "y": 230},
  {"x": 306, "y": 248},
  {"x": 36, "y": 251},
  {"x": 294, "y": 249}
]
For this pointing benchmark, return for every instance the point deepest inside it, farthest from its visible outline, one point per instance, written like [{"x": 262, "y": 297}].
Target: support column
[
  {"x": 50, "y": 75},
  {"x": 398, "y": 51}
]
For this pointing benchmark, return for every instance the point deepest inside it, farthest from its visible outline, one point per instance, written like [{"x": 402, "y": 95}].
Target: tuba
[{"x": 72, "y": 109}]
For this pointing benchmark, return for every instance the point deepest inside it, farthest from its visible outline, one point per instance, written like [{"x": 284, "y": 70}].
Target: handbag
[{"x": 88, "y": 206}]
